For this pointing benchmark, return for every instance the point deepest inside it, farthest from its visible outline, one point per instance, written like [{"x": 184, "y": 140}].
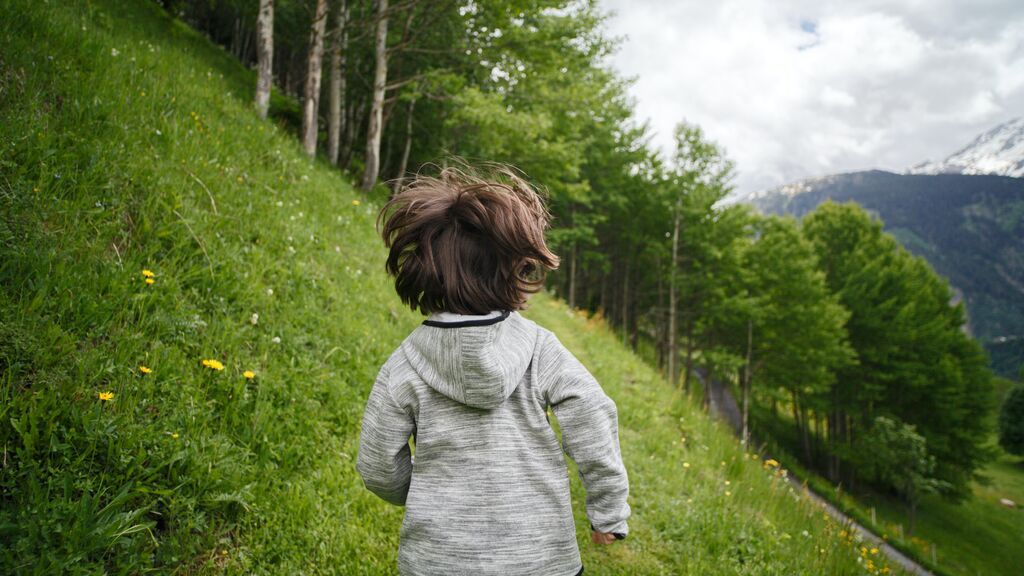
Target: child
[{"x": 488, "y": 493}]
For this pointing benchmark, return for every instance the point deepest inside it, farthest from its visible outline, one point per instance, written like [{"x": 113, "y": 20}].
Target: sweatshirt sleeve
[
  {"x": 384, "y": 460},
  {"x": 590, "y": 436}
]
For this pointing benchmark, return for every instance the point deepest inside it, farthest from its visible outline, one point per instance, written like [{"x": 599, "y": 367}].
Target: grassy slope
[
  {"x": 977, "y": 536},
  {"x": 127, "y": 143}
]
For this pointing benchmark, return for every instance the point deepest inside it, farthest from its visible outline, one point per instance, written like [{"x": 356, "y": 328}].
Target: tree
[
  {"x": 1011, "y": 422},
  {"x": 311, "y": 103},
  {"x": 336, "y": 103},
  {"x": 265, "y": 56},
  {"x": 380, "y": 76},
  {"x": 914, "y": 361},
  {"x": 796, "y": 334},
  {"x": 897, "y": 456},
  {"x": 700, "y": 177}
]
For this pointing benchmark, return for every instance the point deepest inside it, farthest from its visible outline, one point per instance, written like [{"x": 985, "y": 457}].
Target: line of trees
[{"x": 827, "y": 325}]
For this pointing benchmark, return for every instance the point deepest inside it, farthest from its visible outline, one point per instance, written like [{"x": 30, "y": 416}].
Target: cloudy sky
[{"x": 800, "y": 88}]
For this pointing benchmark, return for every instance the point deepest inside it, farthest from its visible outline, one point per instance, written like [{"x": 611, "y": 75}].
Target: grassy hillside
[{"x": 206, "y": 420}]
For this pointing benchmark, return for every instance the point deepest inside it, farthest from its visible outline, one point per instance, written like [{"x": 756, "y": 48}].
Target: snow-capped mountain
[{"x": 999, "y": 152}]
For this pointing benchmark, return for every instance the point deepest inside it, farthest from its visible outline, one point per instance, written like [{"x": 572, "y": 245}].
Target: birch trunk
[
  {"x": 264, "y": 56},
  {"x": 339, "y": 58},
  {"x": 404, "y": 166},
  {"x": 380, "y": 76},
  {"x": 745, "y": 437},
  {"x": 673, "y": 340},
  {"x": 313, "y": 73}
]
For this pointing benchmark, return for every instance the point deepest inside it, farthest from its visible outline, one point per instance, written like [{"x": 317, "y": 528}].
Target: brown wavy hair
[{"x": 467, "y": 243}]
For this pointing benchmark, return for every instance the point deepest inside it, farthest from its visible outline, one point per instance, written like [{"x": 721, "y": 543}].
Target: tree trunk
[
  {"x": 264, "y": 56},
  {"x": 313, "y": 73},
  {"x": 673, "y": 340},
  {"x": 404, "y": 166},
  {"x": 805, "y": 436},
  {"x": 336, "y": 106},
  {"x": 380, "y": 76},
  {"x": 625, "y": 304},
  {"x": 745, "y": 436},
  {"x": 572, "y": 277},
  {"x": 688, "y": 365}
]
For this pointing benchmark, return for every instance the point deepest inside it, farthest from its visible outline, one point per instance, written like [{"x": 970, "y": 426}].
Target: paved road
[{"x": 723, "y": 406}]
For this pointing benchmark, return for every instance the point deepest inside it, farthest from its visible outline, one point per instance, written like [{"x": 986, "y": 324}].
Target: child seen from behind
[{"x": 488, "y": 493}]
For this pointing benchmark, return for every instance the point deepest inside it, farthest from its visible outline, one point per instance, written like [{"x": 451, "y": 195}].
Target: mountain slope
[
  {"x": 134, "y": 440},
  {"x": 998, "y": 152},
  {"x": 969, "y": 228}
]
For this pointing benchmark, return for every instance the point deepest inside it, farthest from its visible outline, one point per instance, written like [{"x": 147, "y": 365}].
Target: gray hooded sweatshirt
[{"x": 488, "y": 493}]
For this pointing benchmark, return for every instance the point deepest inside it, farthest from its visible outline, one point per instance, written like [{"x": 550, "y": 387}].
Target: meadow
[
  {"x": 191, "y": 317},
  {"x": 979, "y": 535}
]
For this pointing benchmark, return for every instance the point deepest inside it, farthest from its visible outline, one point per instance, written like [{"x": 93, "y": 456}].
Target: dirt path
[{"x": 723, "y": 406}]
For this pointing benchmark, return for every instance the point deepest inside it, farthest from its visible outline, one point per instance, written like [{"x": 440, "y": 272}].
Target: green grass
[
  {"x": 127, "y": 143},
  {"x": 976, "y": 536},
  {"x": 979, "y": 536}
]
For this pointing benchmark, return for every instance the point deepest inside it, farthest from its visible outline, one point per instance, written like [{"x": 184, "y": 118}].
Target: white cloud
[{"x": 802, "y": 88}]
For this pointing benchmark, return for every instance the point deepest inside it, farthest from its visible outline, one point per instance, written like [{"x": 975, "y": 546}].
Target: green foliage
[
  {"x": 799, "y": 341},
  {"x": 1011, "y": 422},
  {"x": 968, "y": 227},
  {"x": 896, "y": 455},
  {"x": 914, "y": 362}
]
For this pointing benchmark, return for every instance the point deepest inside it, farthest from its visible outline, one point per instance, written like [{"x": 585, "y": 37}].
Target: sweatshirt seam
[{"x": 391, "y": 396}]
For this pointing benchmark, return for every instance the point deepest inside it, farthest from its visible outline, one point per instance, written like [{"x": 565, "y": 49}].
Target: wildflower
[
  {"x": 727, "y": 483},
  {"x": 772, "y": 462},
  {"x": 175, "y": 435},
  {"x": 114, "y": 52},
  {"x": 874, "y": 551},
  {"x": 106, "y": 396},
  {"x": 276, "y": 339},
  {"x": 249, "y": 374},
  {"x": 213, "y": 364},
  {"x": 144, "y": 369},
  {"x": 727, "y": 493},
  {"x": 355, "y": 202},
  {"x": 148, "y": 274},
  {"x": 686, "y": 464},
  {"x": 150, "y": 281},
  {"x": 254, "y": 319}
]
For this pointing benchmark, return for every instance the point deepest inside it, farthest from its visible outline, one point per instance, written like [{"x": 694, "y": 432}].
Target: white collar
[{"x": 453, "y": 317}]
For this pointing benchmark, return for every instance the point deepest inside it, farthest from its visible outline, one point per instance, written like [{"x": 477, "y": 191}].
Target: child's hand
[{"x": 602, "y": 538}]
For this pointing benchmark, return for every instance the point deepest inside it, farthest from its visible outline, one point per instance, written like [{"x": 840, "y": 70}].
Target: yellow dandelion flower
[
  {"x": 686, "y": 464},
  {"x": 175, "y": 435},
  {"x": 355, "y": 202},
  {"x": 874, "y": 551},
  {"x": 106, "y": 396},
  {"x": 148, "y": 274},
  {"x": 144, "y": 369},
  {"x": 213, "y": 364},
  {"x": 771, "y": 462},
  {"x": 727, "y": 493},
  {"x": 150, "y": 281},
  {"x": 249, "y": 374}
]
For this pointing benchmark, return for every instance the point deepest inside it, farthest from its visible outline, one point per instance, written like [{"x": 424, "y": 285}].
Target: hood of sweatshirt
[{"x": 477, "y": 363}]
